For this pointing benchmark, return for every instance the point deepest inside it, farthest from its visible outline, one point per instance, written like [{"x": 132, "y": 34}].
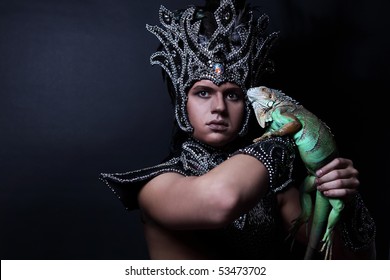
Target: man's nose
[{"x": 218, "y": 104}]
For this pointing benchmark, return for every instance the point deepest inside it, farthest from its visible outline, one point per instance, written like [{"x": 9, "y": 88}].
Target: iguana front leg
[{"x": 291, "y": 127}]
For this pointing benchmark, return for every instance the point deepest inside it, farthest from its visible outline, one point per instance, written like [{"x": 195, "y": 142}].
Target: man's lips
[{"x": 217, "y": 125}]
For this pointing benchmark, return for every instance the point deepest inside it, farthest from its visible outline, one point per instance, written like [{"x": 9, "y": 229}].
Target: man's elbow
[{"x": 225, "y": 203}]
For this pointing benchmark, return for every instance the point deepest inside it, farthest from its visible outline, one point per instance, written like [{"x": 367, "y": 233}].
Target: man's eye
[
  {"x": 203, "y": 93},
  {"x": 234, "y": 96}
]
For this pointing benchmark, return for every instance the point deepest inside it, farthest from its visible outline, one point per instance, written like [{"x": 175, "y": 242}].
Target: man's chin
[{"x": 218, "y": 139}]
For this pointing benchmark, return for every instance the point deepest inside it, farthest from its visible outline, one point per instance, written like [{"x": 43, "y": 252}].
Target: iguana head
[{"x": 263, "y": 100}]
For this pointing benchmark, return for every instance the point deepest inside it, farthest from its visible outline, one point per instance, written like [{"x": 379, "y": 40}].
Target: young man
[{"x": 217, "y": 195}]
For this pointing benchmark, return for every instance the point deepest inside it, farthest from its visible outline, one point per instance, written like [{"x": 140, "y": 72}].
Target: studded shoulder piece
[{"x": 277, "y": 154}]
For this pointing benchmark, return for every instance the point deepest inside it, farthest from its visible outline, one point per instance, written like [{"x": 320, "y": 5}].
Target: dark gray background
[{"x": 79, "y": 97}]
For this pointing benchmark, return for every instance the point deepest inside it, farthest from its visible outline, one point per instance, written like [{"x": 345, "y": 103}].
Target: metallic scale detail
[
  {"x": 278, "y": 155},
  {"x": 359, "y": 229},
  {"x": 198, "y": 158},
  {"x": 188, "y": 56}
]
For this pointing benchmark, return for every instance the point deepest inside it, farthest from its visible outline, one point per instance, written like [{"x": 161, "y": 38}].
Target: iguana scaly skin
[{"x": 281, "y": 115}]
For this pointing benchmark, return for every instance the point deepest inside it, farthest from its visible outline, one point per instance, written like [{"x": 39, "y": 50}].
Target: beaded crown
[{"x": 236, "y": 52}]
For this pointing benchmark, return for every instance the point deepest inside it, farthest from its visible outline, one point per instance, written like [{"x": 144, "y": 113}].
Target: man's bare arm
[{"x": 208, "y": 201}]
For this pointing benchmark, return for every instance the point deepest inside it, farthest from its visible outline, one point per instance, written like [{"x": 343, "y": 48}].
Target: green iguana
[{"x": 282, "y": 115}]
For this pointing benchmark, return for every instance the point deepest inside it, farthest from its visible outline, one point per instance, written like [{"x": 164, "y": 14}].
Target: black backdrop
[{"x": 78, "y": 97}]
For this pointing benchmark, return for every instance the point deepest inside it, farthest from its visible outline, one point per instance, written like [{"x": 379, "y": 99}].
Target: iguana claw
[
  {"x": 328, "y": 244},
  {"x": 262, "y": 137}
]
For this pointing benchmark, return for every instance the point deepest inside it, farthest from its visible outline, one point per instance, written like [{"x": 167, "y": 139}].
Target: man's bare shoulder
[
  {"x": 160, "y": 185},
  {"x": 164, "y": 179}
]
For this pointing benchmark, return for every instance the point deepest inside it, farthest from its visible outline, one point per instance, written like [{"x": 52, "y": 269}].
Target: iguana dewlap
[{"x": 281, "y": 115}]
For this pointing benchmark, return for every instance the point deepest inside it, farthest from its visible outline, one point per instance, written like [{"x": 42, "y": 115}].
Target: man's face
[{"x": 215, "y": 112}]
